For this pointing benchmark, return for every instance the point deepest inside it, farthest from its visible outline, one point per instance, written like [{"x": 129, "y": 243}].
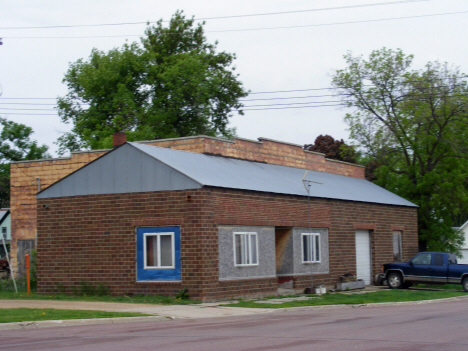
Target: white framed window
[
  {"x": 245, "y": 249},
  {"x": 158, "y": 250},
  {"x": 311, "y": 252}
]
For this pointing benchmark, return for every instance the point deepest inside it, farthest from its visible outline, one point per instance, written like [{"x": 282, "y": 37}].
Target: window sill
[{"x": 159, "y": 281}]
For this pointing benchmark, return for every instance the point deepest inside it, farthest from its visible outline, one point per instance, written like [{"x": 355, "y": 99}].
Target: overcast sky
[{"x": 283, "y": 52}]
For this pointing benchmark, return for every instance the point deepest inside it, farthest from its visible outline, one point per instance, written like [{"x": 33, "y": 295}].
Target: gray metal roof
[
  {"x": 180, "y": 170},
  {"x": 233, "y": 173}
]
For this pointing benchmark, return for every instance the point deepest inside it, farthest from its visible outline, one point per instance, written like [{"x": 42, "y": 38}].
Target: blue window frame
[{"x": 158, "y": 253}]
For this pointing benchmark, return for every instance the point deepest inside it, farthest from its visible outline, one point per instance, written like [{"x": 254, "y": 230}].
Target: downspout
[{"x": 38, "y": 190}]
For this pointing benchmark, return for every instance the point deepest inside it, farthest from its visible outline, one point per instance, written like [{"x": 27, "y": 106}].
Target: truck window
[
  {"x": 424, "y": 258},
  {"x": 438, "y": 260},
  {"x": 452, "y": 259}
]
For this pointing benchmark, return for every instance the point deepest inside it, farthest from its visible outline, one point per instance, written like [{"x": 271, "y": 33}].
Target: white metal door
[{"x": 363, "y": 257}]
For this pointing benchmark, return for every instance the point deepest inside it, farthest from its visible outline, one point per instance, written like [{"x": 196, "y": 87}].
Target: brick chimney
[{"x": 118, "y": 139}]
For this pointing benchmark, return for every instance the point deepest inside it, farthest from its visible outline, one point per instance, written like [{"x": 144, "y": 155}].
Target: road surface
[{"x": 420, "y": 326}]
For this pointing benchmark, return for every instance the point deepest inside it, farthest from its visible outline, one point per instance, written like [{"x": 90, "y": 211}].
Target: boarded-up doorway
[
  {"x": 284, "y": 259},
  {"x": 25, "y": 247}
]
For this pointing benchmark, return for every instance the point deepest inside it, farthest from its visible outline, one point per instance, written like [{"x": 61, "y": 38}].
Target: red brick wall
[{"x": 92, "y": 238}]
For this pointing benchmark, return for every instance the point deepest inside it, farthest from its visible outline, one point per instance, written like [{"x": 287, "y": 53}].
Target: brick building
[
  {"x": 30, "y": 177},
  {"x": 226, "y": 219}
]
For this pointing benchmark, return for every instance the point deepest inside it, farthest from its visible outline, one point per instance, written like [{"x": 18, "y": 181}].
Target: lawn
[
  {"x": 86, "y": 292},
  {"x": 348, "y": 299},
  {"x": 9, "y": 315}
]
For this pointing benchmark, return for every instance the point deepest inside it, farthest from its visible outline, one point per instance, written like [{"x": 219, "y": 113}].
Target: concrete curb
[
  {"x": 374, "y": 304},
  {"x": 78, "y": 322}
]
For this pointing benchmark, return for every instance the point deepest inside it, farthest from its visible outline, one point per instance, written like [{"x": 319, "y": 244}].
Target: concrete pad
[
  {"x": 286, "y": 299},
  {"x": 197, "y": 311}
]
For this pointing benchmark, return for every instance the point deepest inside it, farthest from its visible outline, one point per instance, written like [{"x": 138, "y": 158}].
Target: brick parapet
[{"x": 264, "y": 150}]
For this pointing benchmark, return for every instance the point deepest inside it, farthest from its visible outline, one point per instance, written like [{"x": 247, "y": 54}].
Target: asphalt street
[{"x": 419, "y": 326}]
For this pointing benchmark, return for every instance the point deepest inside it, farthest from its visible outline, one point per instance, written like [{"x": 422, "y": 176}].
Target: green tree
[
  {"x": 413, "y": 126},
  {"x": 15, "y": 145},
  {"x": 173, "y": 84}
]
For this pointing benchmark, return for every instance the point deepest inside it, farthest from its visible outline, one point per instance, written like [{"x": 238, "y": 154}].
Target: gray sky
[{"x": 281, "y": 52}]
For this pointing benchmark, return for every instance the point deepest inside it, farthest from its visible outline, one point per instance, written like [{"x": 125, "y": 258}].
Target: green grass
[
  {"x": 444, "y": 286},
  {"x": 148, "y": 299},
  {"x": 10, "y": 315},
  {"x": 348, "y": 299}
]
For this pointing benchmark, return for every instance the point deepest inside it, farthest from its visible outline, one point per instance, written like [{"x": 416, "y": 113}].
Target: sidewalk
[{"x": 160, "y": 312}]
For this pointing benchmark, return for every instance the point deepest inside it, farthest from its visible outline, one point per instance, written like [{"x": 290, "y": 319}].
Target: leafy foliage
[
  {"x": 183, "y": 294},
  {"x": 413, "y": 126},
  {"x": 33, "y": 269},
  {"x": 333, "y": 149},
  {"x": 174, "y": 84},
  {"x": 15, "y": 145}
]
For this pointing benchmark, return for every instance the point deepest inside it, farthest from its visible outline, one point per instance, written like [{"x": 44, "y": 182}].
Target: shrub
[{"x": 183, "y": 294}]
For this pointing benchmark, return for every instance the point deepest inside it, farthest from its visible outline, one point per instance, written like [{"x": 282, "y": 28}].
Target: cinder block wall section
[
  {"x": 26, "y": 178},
  {"x": 342, "y": 218}
]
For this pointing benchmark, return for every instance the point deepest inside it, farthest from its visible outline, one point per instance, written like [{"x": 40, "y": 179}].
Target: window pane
[
  {"x": 308, "y": 247},
  {"x": 246, "y": 244},
  {"x": 422, "y": 259},
  {"x": 317, "y": 248},
  {"x": 304, "y": 248},
  {"x": 238, "y": 242},
  {"x": 253, "y": 247},
  {"x": 151, "y": 251},
  {"x": 438, "y": 260},
  {"x": 166, "y": 250}
]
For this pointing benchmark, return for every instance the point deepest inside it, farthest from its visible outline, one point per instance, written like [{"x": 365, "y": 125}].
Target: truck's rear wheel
[
  {"x": 395, "y": 281},
  {"x": 465, "y": 284}
]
